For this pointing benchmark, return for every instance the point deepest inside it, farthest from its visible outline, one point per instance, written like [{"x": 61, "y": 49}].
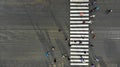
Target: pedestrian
[
  {"x": 92, "y": 3},
  {"x": 109, "y": 11},
  {"x": 95, "y": 9},
  {"x": 90, "y": 22},
  {"x": 53, "y": 48},
  {"x": 69, "y": 44},
  {"x": 85, "y": 52},
  {"x": 66, "y": 39},
  {"x": 80, "y": 41},
  {"x": 96, "y": 58},
  {"x": 81, "y": 13},
  {"x": 82, "y": 37},
  {"x": 64, "y": 55},
  {"x": 59, "y": 30},
  {"x": 92, "y": 65},
  {"x": 54, "y": 60},
  {"x": 91, "y": 45},
  {"x": 68, "y": 58},
  {"x": 81, "y": 58},
  {"x": 75, "y": 41},
  {"x": 91, "y": 11},
  {"x": 47, "y": 53},
  {"x": 83, "y": 22},
  {"x": 92, "y": 16},
  {"x": 93, "y": 36},
  {"x": 91, "y": 31}
]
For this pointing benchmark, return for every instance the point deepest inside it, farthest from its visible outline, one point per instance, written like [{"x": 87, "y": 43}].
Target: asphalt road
[
  {"x": 107, "y": 29},
  {"x": 29, "y": 28}
]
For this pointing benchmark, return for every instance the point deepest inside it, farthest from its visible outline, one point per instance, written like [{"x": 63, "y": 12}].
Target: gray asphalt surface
[
  {"x": 107, "y": 29},
  {"x": 29, "y": 28}
]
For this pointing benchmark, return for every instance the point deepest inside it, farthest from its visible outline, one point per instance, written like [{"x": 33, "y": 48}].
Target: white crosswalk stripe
[
  {"x": 79, "y": 0},
  {"x": 85, "y": 39},
  {"x": 79, "y": 49},
  {"x": 79, "y": 15},
  {"x": 79, "y": 35},
  {"x": 79, "y": 43},
  {"x": 79, "y": 18},
  {"x": 78, "y": 53},
  {"x": 80, "y": 21},
  {"x": 79, "y": 7},
  {"x": 86, "y": 64},
  {"x": 78, "y": 60},
  {"x": 80, "y": 25},
  {"x": 79, "y": 57},
  {"x": 80, "y": 4},
  {"x": 75, "y": 11},
  {"x": 79, "y": 46},
  {"x": 79, "y": 32},
  {"x": 79, "y": 29}
]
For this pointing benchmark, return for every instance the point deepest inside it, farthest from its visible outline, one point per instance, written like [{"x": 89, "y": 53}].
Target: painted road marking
[
  {"x": 78, "y": 53},
  {"x": 81, "y": 4},
  {"x": 79, "y": 14},
  {"x": 80, "y": 25},
  {"x": 79, "y": 0},
  {"x": 79, "y": 64},
  {"x": 79, "y": 49},
  {"x": 79, "y": 57},
  {"x": 74, "y": 11},
  {"x": 79, "y": 7}
]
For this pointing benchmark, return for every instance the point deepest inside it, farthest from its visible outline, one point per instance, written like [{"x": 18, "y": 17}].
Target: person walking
[
  {"x": 92, "y": 16},
  {"x": 81, "y": 58},
  {"x": 80, "y": 41},
  {"x": 93, "y": 36},
  {"x": 92, "y": 65},
  {"x": 109, "y": 11},
  {"x": 54, "y": 60},
  {"x": 95, "y": 9},
  {"x": 47, "y": 53},
  {"x": 53, "y": 48}
]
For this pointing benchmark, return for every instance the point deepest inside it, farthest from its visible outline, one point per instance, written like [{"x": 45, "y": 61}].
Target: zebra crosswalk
[{"x": 79, "y": 32}]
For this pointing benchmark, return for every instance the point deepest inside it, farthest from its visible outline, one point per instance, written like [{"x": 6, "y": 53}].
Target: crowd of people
[{"x": 94, "y": 8}]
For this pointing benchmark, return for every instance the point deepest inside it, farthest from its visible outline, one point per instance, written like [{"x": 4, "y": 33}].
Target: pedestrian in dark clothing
[
  {"x": 95, "y": 9},
  {"x": 91, "y": 11},
  {"x": 81, "y": 58},
  {"x": 66, "y": 39},
  {"x": 108, "y": 11},
  {"x": 69, "y": 44},
  {"x": 83, "y": 22},
  {"x": 75, "y": 41},
  {"x": 92, "y": 3},
  {"x": 92, "y": 65},
  {"x": 54, "y": 60},
  {"x": 85, "y": 52},
  {"x": 59, "y": 30},
  {"x": 91, "y": 45},
  {"x": 68, "y": 58},
  {"x": 80, "y": 41},
  {"x": 82, "y": 37},
  {"x": 94, "y": 36}
]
